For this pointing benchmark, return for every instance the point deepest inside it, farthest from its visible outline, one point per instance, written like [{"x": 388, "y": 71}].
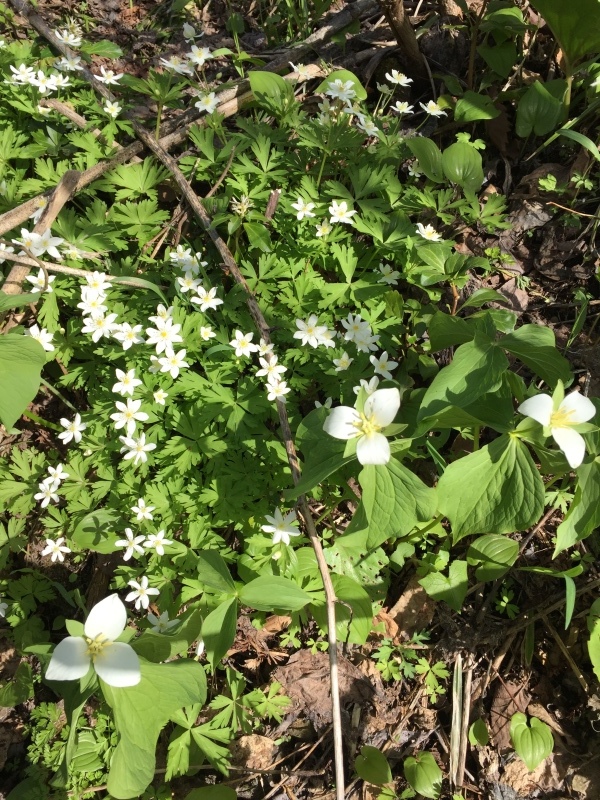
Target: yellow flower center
[
  {"x": 97, "y": 645},
  {"x": 367, "y": 425},
  {"x": 561, "y": 418}
]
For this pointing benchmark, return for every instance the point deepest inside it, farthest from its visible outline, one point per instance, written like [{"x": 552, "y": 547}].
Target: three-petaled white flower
[
  {"x": 560, "y": 419},
  {"x": 303, "y": 208},
  {"x": 378, "y": 412},
  {"x": 340, "y": 212},
  {"x": 141, "y": 593},
  {"x": 281, "y": 527},
  {"x": 116, "y": 663}
]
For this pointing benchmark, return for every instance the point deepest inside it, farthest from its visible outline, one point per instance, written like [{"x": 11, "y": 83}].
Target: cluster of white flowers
[
  {"x": 45, "y": 84},
  {"x": 270, "y": 368},
  {"x": 360, "y": 333},
  {"x": 195, "y": 58},
  {"x": 311, "y": 333},
  {"x": 137, "y": 544},
  {"x": 48, "y": 488}
]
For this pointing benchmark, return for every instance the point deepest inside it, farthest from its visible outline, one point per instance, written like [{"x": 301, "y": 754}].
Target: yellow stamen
[{"x": 562, "y": 418}]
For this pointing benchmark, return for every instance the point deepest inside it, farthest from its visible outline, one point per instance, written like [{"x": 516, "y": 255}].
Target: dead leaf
[
  {"x": 414, "y": 610},
  {"x": 253, "y": 752},
  {"x": 509, "y": 699},
  {"x": 519, "y": 299}
]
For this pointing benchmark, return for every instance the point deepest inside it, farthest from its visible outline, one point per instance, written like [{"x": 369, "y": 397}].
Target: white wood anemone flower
[
  {"x": 116, "y": 663},
  {"x": 559, "y": 417},
  {"x": 378, "y": 412}
]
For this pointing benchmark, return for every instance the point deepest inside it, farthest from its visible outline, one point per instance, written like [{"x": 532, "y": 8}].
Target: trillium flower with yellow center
[
  {"x": 116, "y": 663},
  {"x": 378, "y": 412},
  {"x": 559, "y": 416}
]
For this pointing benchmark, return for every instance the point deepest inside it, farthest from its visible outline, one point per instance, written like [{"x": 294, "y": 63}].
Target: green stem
[
  {"x": 158, "y": 116},
  {"x": 58, "y": 394},
  {"x": 431, "y": 525},
  {"x": 476, "y": 430}
]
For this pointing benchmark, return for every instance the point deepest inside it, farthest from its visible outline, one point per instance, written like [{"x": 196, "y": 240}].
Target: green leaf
[
  {"x": 478, "y": 733},
  {"x": 472, "y": 106},
  {"x": 394, "y": 500},
  {"x": 496, "y": 489},
  {"x": 218, "y": 792},
  {"x": 533, "y": 742},
  {"x": 538, "y": 112},
  {"x": 96, "y": 531},
  {"x": 343, "y": 75},
  {"x": 535, "y": 346},
  {"x": 20, "y": 687},
  {"x": 103, "y": 48},
  {"x": 447, "y": 331},
  {"x": 140, "y": 713},
  {"x": 495, "y": 554},
  {"x": 462, "y": 164},
  {"x": 593, "y": 624},
  {"x": 213, "y": 571},
  {"x": 157, "y": 647},
  {"x": 583, "y": 516},
  {"x": 8, "y": 301},
  {"x": 218, "y": 630},
  {"x": 21, "y": 363},
  {"x": 372, "y": 766},
  {"x": 500, "y": 57},
  {"x": 352, "y": 626},
  {"x": 575, "y": 25},
  {"x": 482, "y": 296},
  {"x": 270, "y": 592},
  {"x": 451, "y": 588},
  {"x": 584, "y": 141},
  {"x": 476, "y": 369},
  {"x": 429, "y": 157},
  {"x": 424, "y": 775},
  {"x": 258, "y": 235}
]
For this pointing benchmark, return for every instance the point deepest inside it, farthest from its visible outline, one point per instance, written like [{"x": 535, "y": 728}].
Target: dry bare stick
[
  {"x": 405, "y": 36},
  {"x": 568, "y": 657}
]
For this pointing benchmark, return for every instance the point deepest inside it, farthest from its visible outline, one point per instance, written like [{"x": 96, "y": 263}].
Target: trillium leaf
[
  {"x": 218, "y": 630},
  {"x": 494, "y": 553},
  {"x": 462, "y": 164},
  {"x": 270, "y": 592},
  {"x": 535, "y": 346},
  {"x": 21, "y": 363},
  {"x": 424, "y": 775},
  {"x": 213, "y": 572},
  {"x": 473, "y": 106},
  {"x": 497, "y": 489},
  {"x": 576, "y": 25},
  {"x": 451, "y": 588},
  {"x": 477, "y": 368},
  {"x": 372, "y": 766},
  {"x": 351, "y": 627},
  {"x": 583, "y": 516},
  {"x": 429, "y": 156},
  {"x": 158, "y": 647},
  {"x": 533, "y": 742},
  {"x": 140, "y": 713}
]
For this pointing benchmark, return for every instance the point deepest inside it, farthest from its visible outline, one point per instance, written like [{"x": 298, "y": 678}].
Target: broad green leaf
[
  {"x": 593, "y": 624},
  {"x": 494, "y": 553},
  {"x": 96, "y": 531},
  {"x": 21, "y": 363},
  {"x": 372, "y": 766},
  {"x": 269, "y": 88},
  {"x": 482, "y": 296},
  {"x": 535, "y": 346},
  {"x": 8, "y": 301},
  {"x": 218, "y": 630},
  {"x": 352, "y": 626},
  {"x": 533, "y": 742},
  {"x": 584, "y": 141},
  {"x": 583, "y": 516},
  {"x": 270, "y": 592},
  {"x": 462, "y": 165},
  {"x": 447, "y": 331},
  {"x": 476, "y": 369},
  {"x": 258, "y": 235},
  {"x": 19, "y": 688},
  {"x": 538, "y": 112},
  {"x": 343, "y": 75},
  {"x": 159, "y": 647},
  {"x": 103, "y": 47},
  {"x": 451, "y": 588},
  {"x": 213, "y": 571},
  {"x": 424, "y": 775},
  {"x": 576, "y": 26},
  {"x": 140, "y": 713},
  {"x": 501, "y": 57},
  {"x": 218, "y": 792},
  {"x": 478, "y": 733},
  {"x": 496, "y": 489},
  {"x": 429, "y": 157},
  {"x": 472, "y": 106},
  {"x": 394, "y": 500}
]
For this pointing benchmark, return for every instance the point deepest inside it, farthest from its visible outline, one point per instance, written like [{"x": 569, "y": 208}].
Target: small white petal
[
  {"x": 108, "y": 617},
  {"x": 583, "y": 409},
  {"x": 339, "y": 423},
  {"x": 69, "y": 661},
  {"x": 571, "y": 443},
  {"x": 383, "y": 406},
  {"x": 118, "y": 665},
  {"x": 373, "y": 449},
  {"x": 538, "y": 408}
]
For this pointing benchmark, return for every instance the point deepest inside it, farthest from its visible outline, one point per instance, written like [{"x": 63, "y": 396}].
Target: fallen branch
[{"x": 405, "y": 36}]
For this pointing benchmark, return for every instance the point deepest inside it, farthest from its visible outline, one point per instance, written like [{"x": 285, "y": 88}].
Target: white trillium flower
[
  {"x": 56, "y": 549},
  {"x": 162, "y": 623},
  {"x": 126, "y": 382},
  {"x": 379, "y": 411},
  {"x": 142, "y": 511},
  {"x": 281, "y": 527},
  {"x": 131, "y": 544},
  {"x": 428, "y": 232},
  {"x": 574, "y": 409},
  {"x": 141, "y": 593},
  {"x": 73, "y": 429},
  {"x": 116, "y": 663}
]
